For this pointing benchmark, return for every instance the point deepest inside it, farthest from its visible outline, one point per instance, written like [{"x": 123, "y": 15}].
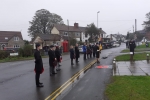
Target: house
[
  {"x": 76, "y": 32},
  {"x": 84, "y": 36},
  {"x": 116, "y": 37},
  {"x": 64, "y": 30},
  {"x": 102, "y": 33},
  {"x": 112, "y": 37},
  {"x": 46, "y": 40},
  {"x": 141, "y": 31},
  {"x": 11, "y": 39}
]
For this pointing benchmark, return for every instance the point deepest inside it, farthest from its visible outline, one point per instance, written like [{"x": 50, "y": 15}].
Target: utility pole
[
  {"x": 97, "y": 18},
  {"x": 135, "y": 25},
  {"x": 135, "y": 37},
  {"x": 68, "y": 24},
  {"x": 133, "y": 28}
]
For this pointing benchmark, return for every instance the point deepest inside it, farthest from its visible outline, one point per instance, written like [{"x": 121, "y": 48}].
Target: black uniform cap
[
  {"x": 37, "y": 45},
  {"x": 51, "y": 46}
]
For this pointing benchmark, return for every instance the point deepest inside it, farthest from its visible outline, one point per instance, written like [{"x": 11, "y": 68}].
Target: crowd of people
[
  {"x": 55, "y": 57},
  {"x": 88, "y": 51}
]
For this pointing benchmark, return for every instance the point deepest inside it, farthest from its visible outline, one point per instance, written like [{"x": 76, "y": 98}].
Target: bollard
[
  {"x": 114, "y": 66},
  {"x": 131, "y": 56},
  {"x": 114, "y": 63},
  {"x": 147, "y": 57}
]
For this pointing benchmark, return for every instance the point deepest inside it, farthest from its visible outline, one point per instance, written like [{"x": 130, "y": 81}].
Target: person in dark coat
[
  {"x": 84, "y": 50},
  {"x": 97, "y": 52},
  {"x": 88, "y": 51},
  {"x": 132, "y": 46},
  {"x": 58, "y": 56},
  {"x": 72, "y": 55},
  {"x": 127, "y": 44},
  {"x": 38, "y": 65},
  {"x": 52, "y": 60},
  {"x": 77, "y": 53},
  {"x": 93, "y": 50}
]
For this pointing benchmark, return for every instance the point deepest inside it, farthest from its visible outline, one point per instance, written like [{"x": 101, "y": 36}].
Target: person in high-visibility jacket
[
  {"x": 100, "y": 47},
  {"x": 97, "y": 52}
]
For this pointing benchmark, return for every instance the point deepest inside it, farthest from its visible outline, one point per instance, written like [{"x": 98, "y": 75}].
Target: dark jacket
[
  {"x": 97, "y": 51},
  {"x": 57, "y": 54},
  {"x": 51, "y": 57},
  {"x": 77, "y": 52},
  {"x": 132, "y": 45},
  {"x": 71, "y": 53},
  {"x": 94, "y": 48},
  {"x": 88, "y": 50},
  {"x": 38, "y": 61}
]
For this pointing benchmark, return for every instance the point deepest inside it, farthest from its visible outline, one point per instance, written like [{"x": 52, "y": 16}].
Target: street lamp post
[{"x": 97, "y": 18}]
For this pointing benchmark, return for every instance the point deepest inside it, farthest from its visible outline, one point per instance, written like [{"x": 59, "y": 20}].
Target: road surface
[{"x": 17, "y": 79}]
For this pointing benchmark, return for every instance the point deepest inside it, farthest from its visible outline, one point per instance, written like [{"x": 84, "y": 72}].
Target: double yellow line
[{"x": 67, "y": 83}]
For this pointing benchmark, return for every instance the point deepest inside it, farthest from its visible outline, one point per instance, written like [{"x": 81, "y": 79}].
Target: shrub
[
  {"x": 26, "y": 51},
  {"x": 81, "y": 43},
  {"x": 21, "y": 52},
  {"x": 3, "y": 54},
  {"x": 73, "y": 42}
]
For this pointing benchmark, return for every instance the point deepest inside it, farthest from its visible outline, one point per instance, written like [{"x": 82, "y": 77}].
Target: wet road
[
  {"x": 92, "y": 85},
  {"x": 17, "y": 79}
]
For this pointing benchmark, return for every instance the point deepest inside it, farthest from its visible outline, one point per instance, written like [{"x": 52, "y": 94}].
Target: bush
[
  {"x": 73, "y": 42},
  {"x": 21, "y": 52},
  {"x": 81, "y": 43},
  {"x": 3, "y": 54},
  {"x": 26, "y": 51}
]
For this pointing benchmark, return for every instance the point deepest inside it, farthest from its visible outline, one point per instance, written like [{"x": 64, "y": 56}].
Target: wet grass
[
  {"x": 129, "y": 88},
  {"x": 139, "y": 48},
  {"x": 12, "y": 59},
  {"x": 137, "y": 56},
  {"x": 142, "y": 46}
]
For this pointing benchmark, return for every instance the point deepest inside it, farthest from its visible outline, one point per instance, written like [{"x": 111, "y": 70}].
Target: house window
[
  {"x": 6, "y": 38},
  {"x": 86, "y": 35},
  {"x": 65, "y": 34},
  {"x": 16, "y": 38},
  {"x": 16, "y": 46}
]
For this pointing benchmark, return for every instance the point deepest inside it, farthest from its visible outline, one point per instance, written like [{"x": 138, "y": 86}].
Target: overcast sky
[{"x": 115, "y": 15}]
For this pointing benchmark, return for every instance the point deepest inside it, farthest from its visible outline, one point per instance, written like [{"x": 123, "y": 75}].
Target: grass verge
[
  {"x": 139, "y": 48},
  {"x": 11, "y": 59},
  {"x": 129, "y": 88},
  {"x": 137, "y": 56}
]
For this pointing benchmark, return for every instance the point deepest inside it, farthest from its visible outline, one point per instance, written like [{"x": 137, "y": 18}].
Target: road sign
[{"x": 13, "y": 54}]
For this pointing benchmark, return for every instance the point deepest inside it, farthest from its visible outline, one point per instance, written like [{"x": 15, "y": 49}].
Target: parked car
[
  {"x": 10, "y": 49},
  {"x": 81, "y": 49},
  {"x": 116, "y": 44},
  {"x": 107, "y": 45}
]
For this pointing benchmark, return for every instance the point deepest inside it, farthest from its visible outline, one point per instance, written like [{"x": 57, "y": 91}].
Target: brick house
[
  {"x": 11, "y": 39},
  {"x": 69, "y": 31},
  {"x": 46, "y": 40}
]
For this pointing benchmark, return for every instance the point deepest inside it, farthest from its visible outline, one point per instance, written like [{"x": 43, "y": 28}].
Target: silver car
[{"x": 81, "y": 49}]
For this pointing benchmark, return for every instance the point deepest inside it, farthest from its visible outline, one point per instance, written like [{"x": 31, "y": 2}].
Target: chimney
[{"x": 76, "y": 25}]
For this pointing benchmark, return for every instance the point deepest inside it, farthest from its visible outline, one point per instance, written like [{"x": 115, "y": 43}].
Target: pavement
[
  {"x": 137, "y": 68},
  {"x": 17, "y": 79}
]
